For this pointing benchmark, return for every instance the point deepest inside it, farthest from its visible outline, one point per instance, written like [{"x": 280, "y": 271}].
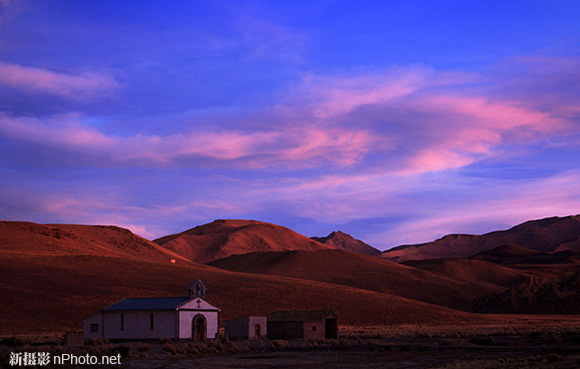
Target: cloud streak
[
  {"x": 419, "y": 112},
  {"x": 275, "y": 147},
  {"x": 43, "y": 81},
  {"x": 400, "y": 121}
]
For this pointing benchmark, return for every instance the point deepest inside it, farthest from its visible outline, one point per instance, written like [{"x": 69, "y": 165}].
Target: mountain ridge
[
  {"x": 344, "y": 241},
  {"x": 547, "y": 234}
]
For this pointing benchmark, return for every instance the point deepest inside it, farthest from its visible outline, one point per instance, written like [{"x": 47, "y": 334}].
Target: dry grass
[
  {"x": 279, "y": 344},
  {"x": 548, "y": 361},
  {"x": 504, "y": 325}
]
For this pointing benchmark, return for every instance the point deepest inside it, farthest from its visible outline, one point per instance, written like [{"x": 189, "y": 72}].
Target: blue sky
[{"x": 396, "y": 122}]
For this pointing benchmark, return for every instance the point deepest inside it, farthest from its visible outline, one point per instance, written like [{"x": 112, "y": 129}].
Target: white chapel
[{"x": 190, "y": 317}]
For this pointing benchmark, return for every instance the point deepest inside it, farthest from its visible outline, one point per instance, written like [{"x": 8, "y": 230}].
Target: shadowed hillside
[
  {"x": 557, "y": 295},
  {"x": 522, "y": 258},
  {"x": 371, "y": 273},
  {"x": 539, "y": 282},
  {"x": 474, "y": 271}
]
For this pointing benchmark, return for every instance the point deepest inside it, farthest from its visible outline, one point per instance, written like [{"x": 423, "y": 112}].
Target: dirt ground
[
  {"x": 541, "y": 343},
  {"x": 423, "y": 353},
  {"x": 451, "y": 358}
]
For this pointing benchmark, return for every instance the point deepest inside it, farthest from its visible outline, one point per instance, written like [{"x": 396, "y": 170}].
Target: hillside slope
[
  {"x": 365, "y": 272},
  {"x": 550, "y": 234},
  {"x": 53, "y": 284},
  {"x": 60, "y": 239},
  {"x": 343, "y": 241},
  {"x": 222, "y": 238}
]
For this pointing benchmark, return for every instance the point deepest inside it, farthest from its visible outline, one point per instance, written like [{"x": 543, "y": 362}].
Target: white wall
[
  {"x": 198, "y": 304},
  {"x": 95, "y": 319},
  {"x": 137, "y": 325},
  {"x": 186, "y": 320},
  {"x": 262, "y": 321}
]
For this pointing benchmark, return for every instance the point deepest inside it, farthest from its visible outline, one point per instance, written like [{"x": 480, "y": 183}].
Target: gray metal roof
[{"x": 159, "y": 303}]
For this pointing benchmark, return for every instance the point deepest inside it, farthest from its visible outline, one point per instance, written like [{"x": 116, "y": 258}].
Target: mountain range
[
  {"x": 54, "y": 275},
  {"x": 550, "y": 234}
]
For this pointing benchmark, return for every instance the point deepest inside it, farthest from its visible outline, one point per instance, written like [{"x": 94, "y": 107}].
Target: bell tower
[{"x": 197, "y": 289}]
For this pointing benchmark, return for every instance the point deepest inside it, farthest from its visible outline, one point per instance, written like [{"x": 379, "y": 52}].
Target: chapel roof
[{"x": 159, "y": 303}]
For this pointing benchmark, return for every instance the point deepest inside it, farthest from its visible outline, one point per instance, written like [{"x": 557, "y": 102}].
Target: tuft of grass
[
  {"x": 216, "y": 344},
  {"x": 279, "y": 344},
  {"x": 170, "y": 348},
  {"x": 163, "y": 340},
  {"x": 232, "y": 347}
]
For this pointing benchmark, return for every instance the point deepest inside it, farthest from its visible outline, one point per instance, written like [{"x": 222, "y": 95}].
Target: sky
[{"x": 397, "y": 122}]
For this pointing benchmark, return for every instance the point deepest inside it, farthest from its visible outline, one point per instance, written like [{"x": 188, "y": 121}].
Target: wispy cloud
[
  {"x": 325, "y": 97},
  {"x": 275, "y": 147},
  {"x": 43, "y": 81},
  {"x": 404, "y": 121},
  {"x": 433, "y": 121}
]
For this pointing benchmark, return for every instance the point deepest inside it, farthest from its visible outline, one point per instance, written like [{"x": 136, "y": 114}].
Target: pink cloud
[
  {"x": 338, "y": 145},
  {"x": 435, "y": 160},
  {"x": 71, "y": 86},
  {"x": 409, "y": 120},
  {"x": 503, "y": 115},
  {"x": 327, "y": 97},
  {"x": 437, "y": 128},
  {"x": 458, "y": 131},
  {"x": 448, "y": 131},
  {"x": 275, "y": 147}
]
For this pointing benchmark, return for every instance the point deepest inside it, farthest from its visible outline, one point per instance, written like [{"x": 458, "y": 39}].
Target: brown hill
[
  {"x": 557, "y": 295},
  {"x": 60, "y": 239},
  {"x": 222, "y": 238},
  {"x": 344, "y": 241},
  {"x": 543, "y": 235},
  {"x": 365, "y": 272},
  {"x": 474, "y": 271},
  {"x": 552, "y": 286},
  {"x": 504, "y": 253},
  {"x": 51, "y": 280},
  {"x": 555, "y": 263}
]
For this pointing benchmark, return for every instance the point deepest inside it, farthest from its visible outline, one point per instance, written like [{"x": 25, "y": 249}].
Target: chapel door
[{"x": 199, "y": 329}]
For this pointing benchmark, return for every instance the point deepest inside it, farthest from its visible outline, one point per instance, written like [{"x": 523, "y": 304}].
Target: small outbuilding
[
  {"x": 247, "y": 328},
  {"x": 188, "y": 317},
  {"x": 308, "y": 324}
]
